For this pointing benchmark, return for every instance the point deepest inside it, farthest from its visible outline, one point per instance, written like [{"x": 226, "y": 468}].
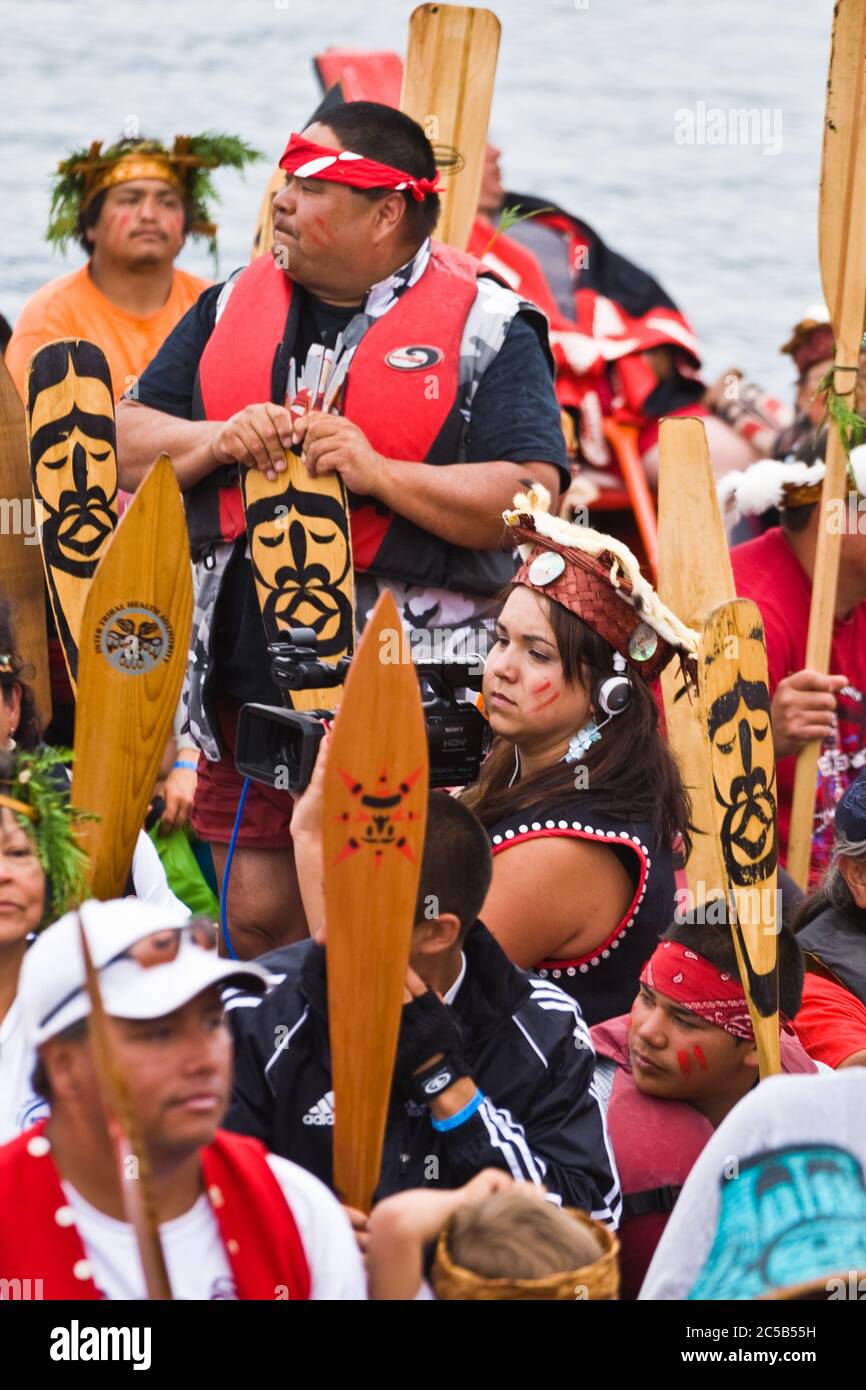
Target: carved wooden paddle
[
  {"x": 694, "y": 578},
  {"x": 448, "y": 84},
  {"x": 842, "y": 250},
  {"x": 73, "y": 462},
  {"x": 735, "y": 709},
  {"x": 375, "y": 812},
  {"x": 133, "y": 654}
]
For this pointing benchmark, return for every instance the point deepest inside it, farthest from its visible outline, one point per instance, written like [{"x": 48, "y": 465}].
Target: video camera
[{"x": 278, "y": 746}]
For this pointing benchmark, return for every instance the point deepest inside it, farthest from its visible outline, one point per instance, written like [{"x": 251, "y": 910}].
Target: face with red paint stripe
[
  {"x": 527, "y": 698},
  {"x": 140, "y": 224},
  {"x": 675, "y": 1055},
  {"x": 333, "y": 241}
]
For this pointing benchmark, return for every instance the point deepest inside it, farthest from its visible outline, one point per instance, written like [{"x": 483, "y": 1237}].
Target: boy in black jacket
[{"x": 494, "y": 1067}]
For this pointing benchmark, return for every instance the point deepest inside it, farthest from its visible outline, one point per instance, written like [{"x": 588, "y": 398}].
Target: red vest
[
  {"x": 655, "y": 1144},
  {"x": 402, "y": 412},
  {"x": 258, "y": 1230}
]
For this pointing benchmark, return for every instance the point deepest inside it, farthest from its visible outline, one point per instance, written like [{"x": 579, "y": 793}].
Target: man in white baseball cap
[{"x": 235, "y": 1221}]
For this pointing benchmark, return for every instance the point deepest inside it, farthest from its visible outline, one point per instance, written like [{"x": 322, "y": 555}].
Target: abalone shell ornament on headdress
[{"x": 596, "y": 577}]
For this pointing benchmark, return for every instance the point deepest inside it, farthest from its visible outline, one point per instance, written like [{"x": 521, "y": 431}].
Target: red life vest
[
  {"x": 257, "y": 1227},
  {"x": 655, "y": 1144},
  {"x": 406, "y": 412}
]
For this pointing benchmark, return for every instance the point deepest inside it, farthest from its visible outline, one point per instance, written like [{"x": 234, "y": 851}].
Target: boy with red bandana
[{"x": 675, "y": 1066}]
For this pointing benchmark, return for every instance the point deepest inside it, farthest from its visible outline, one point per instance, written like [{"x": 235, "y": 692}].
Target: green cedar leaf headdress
[
  {"x": 186, "y": 167},
  {"x": 37, "y": 792}
]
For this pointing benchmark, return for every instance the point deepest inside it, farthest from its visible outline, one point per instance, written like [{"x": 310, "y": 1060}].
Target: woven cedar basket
[{"x": 599, "y": 1280}]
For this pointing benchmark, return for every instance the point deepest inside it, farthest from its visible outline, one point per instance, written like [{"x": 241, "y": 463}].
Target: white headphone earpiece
[{"x": 613, "y": 694}]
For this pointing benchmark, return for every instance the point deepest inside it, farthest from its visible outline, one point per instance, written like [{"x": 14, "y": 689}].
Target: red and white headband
[{"x": 307, "y": 160}]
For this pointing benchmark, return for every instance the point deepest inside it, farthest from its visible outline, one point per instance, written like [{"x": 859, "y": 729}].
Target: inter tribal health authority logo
[{"x": 134, "y": 639}]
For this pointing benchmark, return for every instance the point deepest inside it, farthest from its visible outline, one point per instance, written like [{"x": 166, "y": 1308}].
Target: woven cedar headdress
[
  {"x": 186, "y": 167},
  {"x": 783, "y": 483},
  {"x": 35, "y": 788},
  {"x": 596, "y": 577}
]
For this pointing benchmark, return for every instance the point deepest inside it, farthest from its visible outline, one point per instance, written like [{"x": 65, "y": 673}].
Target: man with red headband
[
  {"x": 448, "y": 403},
  {"x": 672, "y": 1069}
]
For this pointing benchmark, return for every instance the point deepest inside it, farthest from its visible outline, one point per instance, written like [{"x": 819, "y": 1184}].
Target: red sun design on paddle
[{"x": 379, "y": 818}]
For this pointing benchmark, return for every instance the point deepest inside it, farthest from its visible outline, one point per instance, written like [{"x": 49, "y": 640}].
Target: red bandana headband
[
  {"x": 696, "y": 984},
  {"x": 307, "y": 160}
]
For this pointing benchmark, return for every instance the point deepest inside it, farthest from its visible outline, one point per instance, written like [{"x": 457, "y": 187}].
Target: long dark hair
[
  {"x": 631, "y": 772},
  {"x": 28, "y": 733}
]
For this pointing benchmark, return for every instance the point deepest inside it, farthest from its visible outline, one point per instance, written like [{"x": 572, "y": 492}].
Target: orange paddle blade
[{"x": 375, "y": 812}]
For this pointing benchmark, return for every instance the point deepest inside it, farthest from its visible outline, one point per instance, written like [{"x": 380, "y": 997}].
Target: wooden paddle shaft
[{"x": 842, "y": 238}]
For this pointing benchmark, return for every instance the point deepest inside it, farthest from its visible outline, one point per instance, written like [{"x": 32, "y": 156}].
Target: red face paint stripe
[
  {"x": 545, "y": 703},
  {"x": 685, "y": 1062},
  {"x": 702, "y": 1061}
]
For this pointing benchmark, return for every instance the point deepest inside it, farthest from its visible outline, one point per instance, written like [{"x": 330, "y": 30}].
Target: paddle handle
[{"x": 821, "y": 618}]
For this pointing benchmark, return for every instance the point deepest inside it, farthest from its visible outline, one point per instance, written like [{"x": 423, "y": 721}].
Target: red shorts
[{"x": 267, "y": 812}]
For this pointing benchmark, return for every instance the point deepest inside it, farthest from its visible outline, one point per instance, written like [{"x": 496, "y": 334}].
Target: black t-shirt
[{"x": 515, "y": 416}]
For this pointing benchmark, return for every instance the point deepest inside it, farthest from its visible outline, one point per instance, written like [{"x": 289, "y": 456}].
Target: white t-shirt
[
  {"x": 782, "y": 1111},
  {"x": 198, "y": 1266},
  {"x": 20, "y": 1106}
]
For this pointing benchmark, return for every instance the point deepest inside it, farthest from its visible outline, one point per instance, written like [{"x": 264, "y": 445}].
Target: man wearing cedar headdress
[
  {"x": 130, "y": 207},
  {"x": 448, "y": 369}
]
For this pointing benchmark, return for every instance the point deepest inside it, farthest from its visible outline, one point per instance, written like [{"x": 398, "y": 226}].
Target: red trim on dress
[{"x": 627, "y": 841}]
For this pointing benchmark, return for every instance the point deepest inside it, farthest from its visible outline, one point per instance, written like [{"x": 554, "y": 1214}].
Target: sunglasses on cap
[{"x": 160, "y": 948}]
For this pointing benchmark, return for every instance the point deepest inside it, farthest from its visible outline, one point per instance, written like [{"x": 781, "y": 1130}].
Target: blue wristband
[
  {"x": 455, "y": 1121},
  {"x": 185, "y": 762}
]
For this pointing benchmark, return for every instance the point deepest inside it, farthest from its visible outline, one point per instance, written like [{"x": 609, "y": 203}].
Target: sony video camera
[{"x": 278, "y": 746}]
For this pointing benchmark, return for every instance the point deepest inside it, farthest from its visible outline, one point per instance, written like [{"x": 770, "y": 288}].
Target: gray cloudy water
[{"x": 614, "y": 108}]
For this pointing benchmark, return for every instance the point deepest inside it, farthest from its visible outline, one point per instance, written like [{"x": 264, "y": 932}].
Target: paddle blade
[
  {"x": 448, "y": 89},
  {"x": 694, "y": 578},
  {"x": 22, "y": 578},
  {"x": 375, "y": 812},
  {"x": 73, "y": 462},
  {"x": 735, "y": 707},
  {"x": 135, "y": 640},
  {"x": 301, "y": 552},
  {"x": 842, "y": 214}
]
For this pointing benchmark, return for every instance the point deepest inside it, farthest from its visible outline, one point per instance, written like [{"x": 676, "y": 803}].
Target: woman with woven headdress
[{"x": 580, "y": 795}]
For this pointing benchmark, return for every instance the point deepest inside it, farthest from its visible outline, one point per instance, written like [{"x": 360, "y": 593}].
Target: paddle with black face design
[
  {"x": 73, "y": 463},
  {"x": 735, "y": 711}
]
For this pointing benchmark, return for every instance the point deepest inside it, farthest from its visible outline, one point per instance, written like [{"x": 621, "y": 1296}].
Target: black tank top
[{"x": 605, "y": 980}]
